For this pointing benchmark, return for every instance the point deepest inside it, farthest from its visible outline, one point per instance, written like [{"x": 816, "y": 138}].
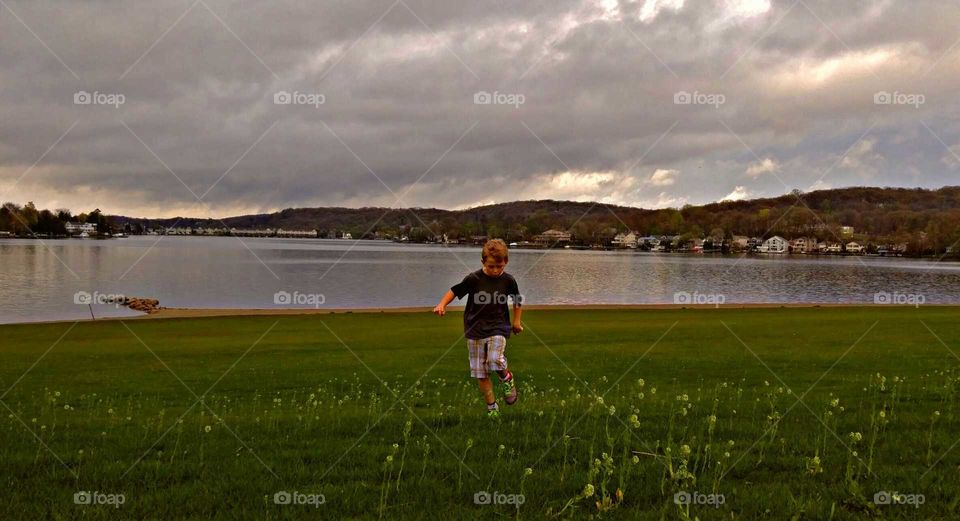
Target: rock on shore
[{"x": 146, "y": 305}]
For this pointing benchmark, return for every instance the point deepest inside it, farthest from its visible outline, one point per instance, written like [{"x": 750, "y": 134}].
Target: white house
[
  {"x": 775, "y": 244},
  {"x": 853, "y": 247},
  {"x": 625, "y": 240},
  {"x": 78, "y": 228}
]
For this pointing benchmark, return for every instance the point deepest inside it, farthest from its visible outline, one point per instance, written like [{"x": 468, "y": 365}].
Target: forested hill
[{"x": 897, "y": 214}]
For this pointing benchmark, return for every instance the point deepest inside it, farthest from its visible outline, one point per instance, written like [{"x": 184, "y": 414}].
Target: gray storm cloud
[{"x": 260, "y": 106}]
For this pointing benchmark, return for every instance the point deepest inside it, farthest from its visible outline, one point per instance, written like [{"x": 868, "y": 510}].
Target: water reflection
[{"x": 40, "y": 280}]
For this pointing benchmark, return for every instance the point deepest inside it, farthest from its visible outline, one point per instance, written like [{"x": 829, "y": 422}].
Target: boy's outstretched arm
[{"x": 441, "y": 308}]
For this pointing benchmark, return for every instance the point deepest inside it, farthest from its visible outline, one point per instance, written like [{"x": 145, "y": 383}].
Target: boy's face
[{"x": 494, "y": 267}]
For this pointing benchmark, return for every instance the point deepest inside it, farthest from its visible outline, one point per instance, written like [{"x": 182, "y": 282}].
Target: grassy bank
[{"x": 753, "y": 413}]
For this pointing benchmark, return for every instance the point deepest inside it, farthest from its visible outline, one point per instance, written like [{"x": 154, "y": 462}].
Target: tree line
[{"x": 28, "y": 221}]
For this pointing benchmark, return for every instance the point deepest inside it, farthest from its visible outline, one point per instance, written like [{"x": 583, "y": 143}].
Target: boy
[{"x": 486, "y": 321}]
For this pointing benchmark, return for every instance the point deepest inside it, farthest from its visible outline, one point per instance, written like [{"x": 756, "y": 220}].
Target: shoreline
[{"x": 174, "y": 313}]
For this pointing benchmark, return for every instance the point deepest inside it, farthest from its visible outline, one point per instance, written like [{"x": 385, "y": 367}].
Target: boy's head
[{"x": 494, "y": 257}]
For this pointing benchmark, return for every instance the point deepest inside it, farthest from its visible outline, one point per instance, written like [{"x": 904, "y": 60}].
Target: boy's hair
[{"x": 495, "y": 248}]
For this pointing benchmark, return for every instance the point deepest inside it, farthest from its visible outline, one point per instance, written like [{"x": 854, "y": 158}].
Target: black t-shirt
[{"x": 487, "y": 313}]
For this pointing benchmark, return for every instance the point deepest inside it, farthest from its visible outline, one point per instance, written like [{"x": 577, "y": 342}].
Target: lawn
[{"x": 815, "y": 413}]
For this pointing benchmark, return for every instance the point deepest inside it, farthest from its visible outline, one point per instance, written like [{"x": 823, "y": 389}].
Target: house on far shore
[
  {"x": 775, "y": 244},
  {"x": 830, "y": 248},
  {"x": 855, "y": 248},
  {"x": 740, "y": 242},
  {"x": 804, "y": 245},
  {"x": 79, "y": 228},
  {"x": 649, "y": 242},
  {"x": 551, "y": 238},
  {"x": 625, "y": 240},
  {"x": 696, "y": 245}
]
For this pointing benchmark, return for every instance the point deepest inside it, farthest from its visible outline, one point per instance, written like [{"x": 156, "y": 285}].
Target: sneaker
[
  {"x": 510, "y": 394},
  {"x": 493, "y": 414}
]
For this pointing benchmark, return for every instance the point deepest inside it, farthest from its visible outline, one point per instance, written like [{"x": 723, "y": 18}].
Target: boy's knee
[{"x": 497, "y": 364}]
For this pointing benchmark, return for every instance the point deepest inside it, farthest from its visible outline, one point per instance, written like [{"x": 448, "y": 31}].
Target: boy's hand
[
  {"x": 440, "y": 310},
  {"x": 517, "y": 328}
]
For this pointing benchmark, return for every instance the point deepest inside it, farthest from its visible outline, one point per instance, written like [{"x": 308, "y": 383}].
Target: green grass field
[{"x": 749, "y": 414}]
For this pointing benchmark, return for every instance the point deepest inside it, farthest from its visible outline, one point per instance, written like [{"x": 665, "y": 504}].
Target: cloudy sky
[{"x": 216, "y": 108}]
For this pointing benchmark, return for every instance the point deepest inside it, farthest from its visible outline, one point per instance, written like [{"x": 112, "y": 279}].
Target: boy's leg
[
  {"x": 497, "y": 362},
  {"x": 478, "y": 370},
  {"x": 486, "y": 387}
]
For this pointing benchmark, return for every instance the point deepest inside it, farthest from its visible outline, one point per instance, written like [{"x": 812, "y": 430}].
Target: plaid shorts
[{"x": 486, "y": 355}]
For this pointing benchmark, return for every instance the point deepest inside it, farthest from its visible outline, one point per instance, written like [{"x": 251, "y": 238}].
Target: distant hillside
[{"x": 879, "y": 214}]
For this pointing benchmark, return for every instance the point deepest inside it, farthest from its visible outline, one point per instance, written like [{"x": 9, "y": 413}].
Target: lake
[{"x": 54, "y": 279}]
